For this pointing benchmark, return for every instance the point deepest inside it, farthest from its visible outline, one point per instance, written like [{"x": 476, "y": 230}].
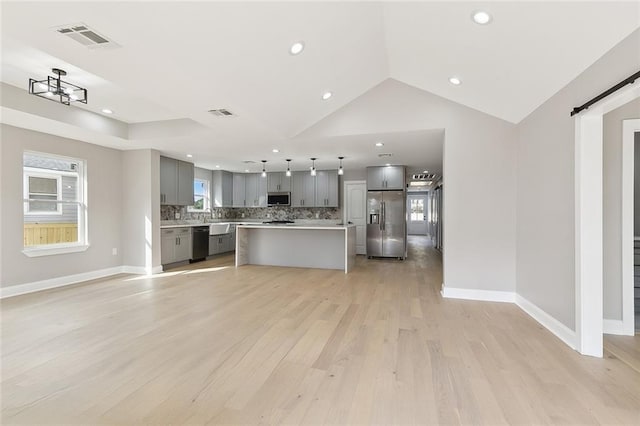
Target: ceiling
[{"x": 177, "y": 60}]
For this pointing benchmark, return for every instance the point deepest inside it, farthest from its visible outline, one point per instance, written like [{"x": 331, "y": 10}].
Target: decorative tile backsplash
[{"x": 276, "y": 213}]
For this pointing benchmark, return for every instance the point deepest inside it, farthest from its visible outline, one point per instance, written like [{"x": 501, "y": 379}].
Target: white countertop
[
  {"x": 300, "y": 223},
  {"x": 295, "y": 226},
  {"x": 191, "y": 225}
]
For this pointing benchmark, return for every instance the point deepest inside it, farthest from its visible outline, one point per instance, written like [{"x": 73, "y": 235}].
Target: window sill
[{"x": 51, "y": 251}]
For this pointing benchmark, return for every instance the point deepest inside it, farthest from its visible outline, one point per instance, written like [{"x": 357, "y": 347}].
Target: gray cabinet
[
  {"x": 386, "y": 177},
  {"x": 175, "y": 245},
  {"x": 303, "y": 189},
  {"x": 327, "y": 188},
  {"x": 239, "y": 190},
  {"x": 168, "y": 181},
  {"x": 176, "y": 182},
  {"x": 223, "y": 243},
  {"x": 222, "y": 190},
  {"x": 249, "y": 190},
  {"x": 278, "y": 182},
  {"x": 255, "y": 190}
]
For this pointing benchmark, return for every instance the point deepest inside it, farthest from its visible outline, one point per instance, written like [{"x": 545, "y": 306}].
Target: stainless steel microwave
[{"x": 279, "y": 199}]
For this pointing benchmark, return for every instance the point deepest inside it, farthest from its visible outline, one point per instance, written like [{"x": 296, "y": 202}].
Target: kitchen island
[{"x": 303, "y": 246}]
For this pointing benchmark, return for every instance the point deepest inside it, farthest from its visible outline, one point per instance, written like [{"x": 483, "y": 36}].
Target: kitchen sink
[{"x": 218, "y": 228}]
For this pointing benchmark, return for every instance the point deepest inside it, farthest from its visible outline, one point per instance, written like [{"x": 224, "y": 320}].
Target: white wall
[
  {"x": 104, "y": 176},
  {"x": 141, "y": 210},
  {"x": 612, "y": 207},
  {"x": 545, "y": 262},
  {"x": 479, "y": 225},
  {"x": 636, "y": 185}
]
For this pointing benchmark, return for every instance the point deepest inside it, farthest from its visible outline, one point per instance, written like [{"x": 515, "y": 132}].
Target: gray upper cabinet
[
  {"x": 185, "y": 183},
  {"x": 239, "y": 190},
  {"x": 249, "y": 190},
  {"x": 327, "y": 188},
  {"x": 168, "y": 181},
  {"x": 303, "y": 189},
  {"x": 222, "y": 190},
  {"x": 176, "y": 182},
  {"x": 385, "y": 177},
  {"x": 278, "y": 182}
]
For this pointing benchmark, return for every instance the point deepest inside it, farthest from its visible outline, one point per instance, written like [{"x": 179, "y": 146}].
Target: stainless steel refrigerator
[{"x": 386, "y": 224}]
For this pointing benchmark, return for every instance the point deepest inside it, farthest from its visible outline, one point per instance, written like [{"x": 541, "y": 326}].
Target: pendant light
[
  {"x": 341, "y": 170},
  {"x": 288, "y": 173},
  {"x": 313, "y": 166},
  {"x": 264, "y": 172}
]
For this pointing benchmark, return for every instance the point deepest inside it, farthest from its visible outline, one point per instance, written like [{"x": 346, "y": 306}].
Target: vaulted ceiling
[{"x": 174, "y": 61}]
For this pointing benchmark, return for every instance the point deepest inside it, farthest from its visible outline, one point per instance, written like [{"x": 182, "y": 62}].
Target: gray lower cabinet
[
  {"x": 175, "y": 245},
  {"x": 176, "y": 182},
  {"x": 222, "y": 243}
]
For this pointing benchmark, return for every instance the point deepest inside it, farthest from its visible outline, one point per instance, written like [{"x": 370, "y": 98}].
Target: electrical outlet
[
  {"x": 114, "y": 251},
  {"x": 317, "y": 215},
  {"x": 268, "y": 215},
  {"x": 177, "y": 215},
  {"x": 243, "y": 215}
]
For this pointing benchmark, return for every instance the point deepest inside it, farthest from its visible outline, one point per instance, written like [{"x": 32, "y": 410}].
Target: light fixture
[
  {"x": 425, "y": 171},
  {"x": 189, "y": 156},
  {"x": 275, "y": 150},
  {"x": 296, "y": 48},
  {"x": 379, "y": 144},
  {"x": 264, "y": 172},
  {"x": 326, "y": 95},
  {"x": 246, "y": 170},
  {"x": 455, "y": 81},
  {"x": 217, "y": 166},
  {"x": 288, "y": 173},
  {"x": 388, "y": 164},
  {"x": 340, "y": 170},
  {"x": 313, "y": 166},
  {"x": 481, "y": 17},
  {"x": 55, "y": 89},
  {"x": 107, "y": 111}
]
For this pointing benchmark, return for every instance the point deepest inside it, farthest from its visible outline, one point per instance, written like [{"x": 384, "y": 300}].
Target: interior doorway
[{"x": 417, "y": 209}]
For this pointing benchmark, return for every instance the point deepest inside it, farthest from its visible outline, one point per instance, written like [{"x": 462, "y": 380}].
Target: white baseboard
[
  {"x": 484, "y": 295},
  {"x": 610, "y": 326},
  {"x": 17, "y": 290},
  {"x": 561, "y": 331},
  {"x": 141, "y": 270}
]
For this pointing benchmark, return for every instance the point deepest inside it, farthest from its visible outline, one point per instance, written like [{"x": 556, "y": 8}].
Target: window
[
  {"x": 200, "y": 196},
  {"x": 417, "y": 209},
  {"x": 54, "y": 204}
]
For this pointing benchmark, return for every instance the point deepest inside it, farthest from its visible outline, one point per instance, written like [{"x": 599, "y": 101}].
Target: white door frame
[
  {"x": 345, "y": 195},
  {"x": 588, "y": 220},
  {"x": 629, "y": 128}
]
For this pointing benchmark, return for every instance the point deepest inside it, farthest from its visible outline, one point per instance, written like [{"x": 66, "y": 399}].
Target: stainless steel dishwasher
[{"x": 200, "y": 243}]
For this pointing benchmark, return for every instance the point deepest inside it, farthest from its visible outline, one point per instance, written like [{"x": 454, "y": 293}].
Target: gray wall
[
  {"x": 141, "y": 209},
  {"x": 612, "y": 207},
  {"x": 104, "y": 176},
  {"x": 636, "y": 186},
  {"x": 545, "y": 261}
]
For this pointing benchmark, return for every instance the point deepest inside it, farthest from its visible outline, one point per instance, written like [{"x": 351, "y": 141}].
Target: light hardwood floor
[{"x": 210, "y": 343}]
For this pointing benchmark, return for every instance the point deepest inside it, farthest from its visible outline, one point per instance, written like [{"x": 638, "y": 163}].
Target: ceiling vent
[
  {"x": 249, "y": 162},
  {"x": 85, "y": 35},
  {"x": 384, "y": 155},
  {"x": 222, "y": 112},
  {"x": 424, "y": 176}
]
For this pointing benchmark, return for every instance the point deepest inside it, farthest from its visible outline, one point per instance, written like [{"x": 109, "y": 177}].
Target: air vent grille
[
  {"x": 249, "y": 162},
  {"x": 424, "y": 176},
  {"x": 85, "y": 35},
  {"x": 221, "y": 112},
  {"x": 384, "y": 155}
]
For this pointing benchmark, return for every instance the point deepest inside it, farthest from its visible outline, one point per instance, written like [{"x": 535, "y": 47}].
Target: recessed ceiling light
[
  {"x": 107, "y": 111},
  {"x": 379, "y": 144},
  {"x": 275, "y": 150},
  {"x": 388, "y": 164},
  {"x": 189, "y": 156},
  {"x": 455, "y": 81},
  {"x": 246, "y": 170},
  {"x": 326, "y": 95},
  {"x": 296, "y": 48},
  {"x": 217, "y": 166},
  {"x": 481, "y": 17},
  {"x": 425, "y": 171}
]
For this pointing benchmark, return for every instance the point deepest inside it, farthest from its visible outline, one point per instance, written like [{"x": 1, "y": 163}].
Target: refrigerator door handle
[{"x": 383, "y": 219}]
